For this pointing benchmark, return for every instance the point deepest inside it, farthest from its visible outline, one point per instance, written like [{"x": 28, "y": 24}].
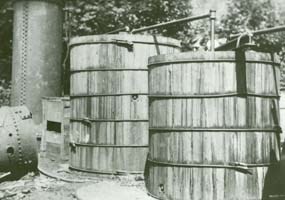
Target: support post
[{"x": 212, "y": 28}]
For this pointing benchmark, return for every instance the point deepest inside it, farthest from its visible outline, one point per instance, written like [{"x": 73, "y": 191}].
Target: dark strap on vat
[
  {"x": 88, "y": 120},
  {"x": 91, "y": 69},
  {"x": 154, "y": 129},
  {"x": 275, "y": 116},
  {"x": 129, "y": 44},
  {"x": 117, "y": 172},
  {"x": 274, "y": 74},
  {"x": 241, "y": 167},
  {"x": 107, "y": 145},
  {"x": 105, "y": 95},
  {"x": 199, "y": 96},
  {"x": 162, "y": 63},
  {"x": 241, "y": 72},
  {"x": 156, "y": 44}
]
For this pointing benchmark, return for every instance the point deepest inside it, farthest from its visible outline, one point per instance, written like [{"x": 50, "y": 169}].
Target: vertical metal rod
[{"x": 212, "y": 27}]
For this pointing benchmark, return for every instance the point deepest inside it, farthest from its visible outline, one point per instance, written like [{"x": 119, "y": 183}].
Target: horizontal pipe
[
  {"x": 186, "y": 19},
  {"x": 125, "y": 29},
  {"x": 245, "y": 38},
  {"x": 263, "y": 31},
  {"x": 120, "y": 42}
]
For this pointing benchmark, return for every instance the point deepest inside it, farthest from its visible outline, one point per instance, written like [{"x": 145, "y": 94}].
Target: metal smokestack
[{"x": 37, "y": 51}]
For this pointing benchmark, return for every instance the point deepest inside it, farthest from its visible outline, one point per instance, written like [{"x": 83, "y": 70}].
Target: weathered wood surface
[
  {"x": 198, "y": 118},
  {"x": 109, "y": 87},
  {"x": 56, "y": 144}
]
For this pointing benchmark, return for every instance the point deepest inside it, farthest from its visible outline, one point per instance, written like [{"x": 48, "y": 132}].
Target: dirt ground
[{"x": 59, "y": 182}]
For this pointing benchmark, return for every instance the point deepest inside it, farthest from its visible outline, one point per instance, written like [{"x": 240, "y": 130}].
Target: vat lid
[
  {"x": 207, "y": 56},
  {"x": 144, "y": 39}
]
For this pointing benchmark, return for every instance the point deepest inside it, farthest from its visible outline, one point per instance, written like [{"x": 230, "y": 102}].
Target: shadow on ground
[{"x": 274, "y": 184}]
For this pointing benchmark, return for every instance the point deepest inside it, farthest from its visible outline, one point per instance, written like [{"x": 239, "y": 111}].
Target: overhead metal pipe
[
  {"x": 125, "y": 29},
  {"x": 262, "y": 31},
  {"x": 237, "y": 39},
  {"x": 177, "y": 21},
  {"x": 211, "y": 16}
]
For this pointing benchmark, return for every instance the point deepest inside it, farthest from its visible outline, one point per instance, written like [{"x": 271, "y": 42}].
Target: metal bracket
[{"x": 128, "y": 44}]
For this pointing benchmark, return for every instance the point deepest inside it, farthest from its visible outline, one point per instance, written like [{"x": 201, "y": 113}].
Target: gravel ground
[{"x": 70, "y": 184}]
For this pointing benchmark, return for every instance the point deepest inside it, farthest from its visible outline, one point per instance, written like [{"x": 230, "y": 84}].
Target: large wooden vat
[
  {"x": 213, "y": 125},
  {"x": 109, "y": 103}
]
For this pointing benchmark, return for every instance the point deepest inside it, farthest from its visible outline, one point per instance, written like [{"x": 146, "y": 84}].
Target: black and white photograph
[{"x": 142, "y": 100}]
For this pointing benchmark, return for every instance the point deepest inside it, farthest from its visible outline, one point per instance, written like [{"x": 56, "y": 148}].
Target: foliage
[
  {"x": 245, "y": 16},
  {"x": 5, "y": 51},
  {"x": 101, "y": 16},
  {"x": 5, "y": 91},
  {"x": 6, "y": 17}
]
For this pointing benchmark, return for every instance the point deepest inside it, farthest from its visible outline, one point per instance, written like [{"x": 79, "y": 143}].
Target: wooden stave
[
  {"x": 203, "y": 153},
  {"x": 121, "y": 107},
  {"x": 110, "y": 160},
  {"x": 114, "y": 82},
  {"x": 171, "y": 96},
  {"x": 120, "y": 133}
]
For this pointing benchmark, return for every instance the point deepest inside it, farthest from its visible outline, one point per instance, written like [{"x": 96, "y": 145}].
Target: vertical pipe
[
  {"x": 37, "y": 51},
  {"x": 212, "y": 27}
]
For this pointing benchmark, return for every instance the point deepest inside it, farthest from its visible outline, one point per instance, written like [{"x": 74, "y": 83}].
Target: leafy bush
[
  {"x": 5, "y": 91},
  {"x": 101, "y": 16}
]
